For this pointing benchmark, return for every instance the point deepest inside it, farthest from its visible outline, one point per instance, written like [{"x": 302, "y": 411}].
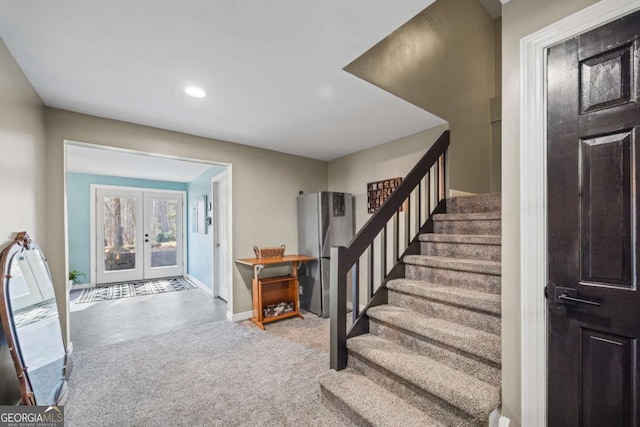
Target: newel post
[{"x": 338, "y": 309}]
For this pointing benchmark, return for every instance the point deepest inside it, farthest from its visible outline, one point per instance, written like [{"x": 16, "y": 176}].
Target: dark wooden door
[{"x": 593, "y": 212}]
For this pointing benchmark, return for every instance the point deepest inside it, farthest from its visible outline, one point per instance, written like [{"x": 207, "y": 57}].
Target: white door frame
[
  {"x": 533, "y": 201},
  {"x": 229, "y": 266},
  {"x": 92, "y": 222},
  {"x": 214, "y": 235}
]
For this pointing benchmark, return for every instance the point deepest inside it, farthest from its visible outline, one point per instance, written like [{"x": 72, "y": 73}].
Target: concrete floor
[{"x": 106, "y": 322}]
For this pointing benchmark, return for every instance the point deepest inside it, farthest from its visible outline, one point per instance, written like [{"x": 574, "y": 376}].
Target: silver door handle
[
  {"x": 569, "y": 296},
  {"x": 580, "y": 300}
]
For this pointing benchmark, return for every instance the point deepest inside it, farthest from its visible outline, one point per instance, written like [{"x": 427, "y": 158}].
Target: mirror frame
[{"x": 21, "y": 243}]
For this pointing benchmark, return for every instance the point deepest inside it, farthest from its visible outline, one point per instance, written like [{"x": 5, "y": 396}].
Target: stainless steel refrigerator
[{"x": 325, "y": 219}]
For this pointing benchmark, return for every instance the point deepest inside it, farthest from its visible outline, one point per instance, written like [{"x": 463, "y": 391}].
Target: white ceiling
[
  {"x": 272, "y": 70},
  {"x": 83, "y": 159}
]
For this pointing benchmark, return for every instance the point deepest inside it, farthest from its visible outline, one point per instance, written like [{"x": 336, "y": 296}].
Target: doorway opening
[
  {"x": 220, "y": 191},
  {"x": 136, "y": 217}
]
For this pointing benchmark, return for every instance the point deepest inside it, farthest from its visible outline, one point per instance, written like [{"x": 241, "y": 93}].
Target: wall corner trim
[
  {"x": 533, "y": 204},
  {"x": 238, "y": 317},
  {"x": 198, "y": 283}
]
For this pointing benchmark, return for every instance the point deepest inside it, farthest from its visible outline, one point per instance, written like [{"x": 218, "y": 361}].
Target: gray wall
[
  {"x": 264, "y": 184},
  {"x": 23, "y": 150},
  {"x": 519, "y": 19},
  {"x": 351, "y": 173},
  {"x": 443, "y": 60}
]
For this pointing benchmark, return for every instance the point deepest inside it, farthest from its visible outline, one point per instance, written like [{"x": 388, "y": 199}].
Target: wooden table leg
[
  {"x": 257, "y": 297},
  {"x": 296, "y": 297},
  {"x": 257, "y": 323}
]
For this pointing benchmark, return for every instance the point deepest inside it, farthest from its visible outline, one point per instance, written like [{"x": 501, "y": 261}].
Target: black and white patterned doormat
[
  {"x": 134, "y": 289},
  {"x": 35, "y": 313}
]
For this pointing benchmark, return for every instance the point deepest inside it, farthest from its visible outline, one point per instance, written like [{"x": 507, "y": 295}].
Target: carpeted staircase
[{"x": 432, "y": 357}]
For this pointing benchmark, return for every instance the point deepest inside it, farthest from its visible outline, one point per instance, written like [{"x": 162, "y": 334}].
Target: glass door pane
[
  {"x": 163, "y": 234},
  {"x": 118, "y": 235},
  {"x": 24, "y": 288},
  {"x": 119, "y": 248}
]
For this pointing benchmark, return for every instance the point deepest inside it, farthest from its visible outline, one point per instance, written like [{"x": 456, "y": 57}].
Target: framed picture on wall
[
  {"x": 202, "y": 214},
  {"x": 194, "y": 217},
  {"x": 378, "y": 192}
]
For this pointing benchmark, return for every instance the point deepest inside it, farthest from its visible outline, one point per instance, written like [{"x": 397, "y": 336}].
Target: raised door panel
[{"x": 606, "y": 184}]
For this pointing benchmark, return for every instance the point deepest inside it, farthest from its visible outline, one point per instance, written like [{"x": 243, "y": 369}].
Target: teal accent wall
[
  {"x": 79, "y": 208},
  {"x": 200, "y": 245}
]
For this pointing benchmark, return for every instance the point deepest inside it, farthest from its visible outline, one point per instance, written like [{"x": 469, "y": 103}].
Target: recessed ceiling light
[{"x": 196, "y": 92}]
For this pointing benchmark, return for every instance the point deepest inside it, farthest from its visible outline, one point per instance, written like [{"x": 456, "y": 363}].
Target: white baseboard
[
  {"x": 238, "y": 317},
  {"x": 496, "y": 419},
  {"x": 81, "y": 286},
  {"x": 199, "y": 284}
]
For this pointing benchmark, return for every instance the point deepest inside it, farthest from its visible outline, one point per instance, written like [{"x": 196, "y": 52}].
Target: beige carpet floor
[{"x": 216, "y": 374}]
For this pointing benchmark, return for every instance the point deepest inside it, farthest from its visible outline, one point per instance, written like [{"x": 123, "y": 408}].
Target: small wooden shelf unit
[{"x": 272, "y": 290}]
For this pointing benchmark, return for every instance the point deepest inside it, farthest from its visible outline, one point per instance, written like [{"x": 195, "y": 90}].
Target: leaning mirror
[{"x": 31, "y": 324}]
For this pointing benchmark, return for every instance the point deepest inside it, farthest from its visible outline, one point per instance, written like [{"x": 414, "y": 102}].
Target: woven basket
[{"x": 269, "y": 252}]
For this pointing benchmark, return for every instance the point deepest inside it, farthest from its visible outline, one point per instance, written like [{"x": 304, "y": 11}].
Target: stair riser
[
  {"x": 336, "y": 405},
  {"x": 472, "y": 365},
  {"x": 482, "y": 227},
  {"x": 434, "y": 406},
  {"x": 461, "y": 250},
  {"x": 463, "y": 279},
  {"x": 483, "y": 203},
  {"x": 473, "y": 319}
]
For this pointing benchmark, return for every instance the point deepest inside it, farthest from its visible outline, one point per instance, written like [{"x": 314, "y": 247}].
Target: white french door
[
  {"x": 139, "y": 234},
  {"x": 30, "y": 280},
  {"x": 119, "y": 235},
  {"x": 162, "y": 235}
]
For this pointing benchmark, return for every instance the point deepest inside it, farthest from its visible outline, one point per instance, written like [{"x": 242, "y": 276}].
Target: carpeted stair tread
[
  {"x": 434, "y": 346},
  {"x": 446, "y": 243},
  {"x": 489, "y": 202},
  {"x": 375, "y": 405},
  {"x": 468, "y": 298},
  {"x": 458, "y": 264},
  {"x": 460, "y": 390},
  {"x": 469, "y": 340},
  {"x": 474, "y": 239},
  {"x": 478, "y": 216}
]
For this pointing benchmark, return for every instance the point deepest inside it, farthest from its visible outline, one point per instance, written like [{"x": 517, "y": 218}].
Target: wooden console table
[{"x": 272, "y": 290}]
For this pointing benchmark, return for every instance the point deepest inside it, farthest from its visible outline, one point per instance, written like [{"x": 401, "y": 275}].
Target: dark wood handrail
[
  {"x": 344, "y": 259},
  {"x": 376, "y": 223}
]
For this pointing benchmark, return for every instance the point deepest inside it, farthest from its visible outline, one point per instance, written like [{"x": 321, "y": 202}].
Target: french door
[
  {"x": 30, "y": 283},
  {"x": 139, "y": 234}
]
